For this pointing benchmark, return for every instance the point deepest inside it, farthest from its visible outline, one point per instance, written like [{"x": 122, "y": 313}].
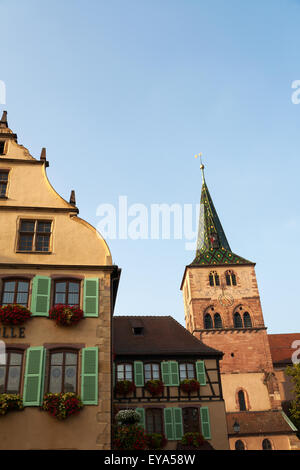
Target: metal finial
[{"x": 201, "y": 164}]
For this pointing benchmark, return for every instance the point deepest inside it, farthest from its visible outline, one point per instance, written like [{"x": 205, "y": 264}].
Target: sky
[{"x": 123, "y": 94}]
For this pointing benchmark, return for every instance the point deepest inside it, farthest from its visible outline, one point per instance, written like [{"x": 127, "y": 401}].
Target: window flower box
[
  {"x": 62, "y": 405},
  {"x": 10, "y": 401},
  {"x": 156, "y": 441},
  {"x": 124, "y": 387},
  {"x": 192, "y": 440},
  {"x": 65, "y": 315},
  {"x": 189, "y": 385},
  {"x": 154, "y": 387},
  {"x": 14, "y": 314}
]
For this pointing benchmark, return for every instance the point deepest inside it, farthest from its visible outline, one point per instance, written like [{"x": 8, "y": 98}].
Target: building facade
[
  {"x": 50, "y": 256},
  {"x": 222, "y": 308},
  {"x": 158, "y": 348}
]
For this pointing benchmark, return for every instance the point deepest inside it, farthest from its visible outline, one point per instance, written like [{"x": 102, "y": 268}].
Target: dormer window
[
  {"x": 2, "y": 143},
  {"x": 3, "y": 182},
  {"x": 137, "y": 327},
  {"x": 138, "y": 330}
]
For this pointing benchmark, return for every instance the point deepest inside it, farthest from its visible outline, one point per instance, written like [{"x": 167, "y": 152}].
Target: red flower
[
  {"x": 14, "y": 314},
  {"x": 65, "y": 315}
]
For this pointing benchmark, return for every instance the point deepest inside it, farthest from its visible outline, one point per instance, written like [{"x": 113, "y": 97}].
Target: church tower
[{"x": 222, "y": 308}]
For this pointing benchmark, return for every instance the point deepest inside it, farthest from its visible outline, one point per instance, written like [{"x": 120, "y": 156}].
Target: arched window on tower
[
  {"x": 230, "y": 278},
  {"x": 247, "y": 320},
  {"x": 239, "y": 445},
  {"x": 208, "y": 324},
  {"x": 242, "y": 401},
  {"x": 266, "y": 444},
  {"x": 218, "y": 320},
  {"x": 237, "y": 321},
  {"x": 214, "y": 279},
  {"x": 242, "y": 318}
]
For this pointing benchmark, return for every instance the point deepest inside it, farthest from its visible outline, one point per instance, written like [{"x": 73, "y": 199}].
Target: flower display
[
  {"x": 10, "y": 401},
  {"x": 154, "y": 387},
  {"x": 62, "y": 405},
  {"x": 124, "y": 387},
  {"x": 65, "y": 315},
  {"x": 194, "y": 439},
  {"x": 156, "y": 441},
  {"x": 189, "y": 385},
  {"x": 14, "y": 314},
  {"x": 129, "y": 437},
  {"x": 126, "y": 417}
]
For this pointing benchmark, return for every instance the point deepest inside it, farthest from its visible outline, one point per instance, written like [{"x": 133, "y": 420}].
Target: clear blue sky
[{"x": 124, "y": 93}]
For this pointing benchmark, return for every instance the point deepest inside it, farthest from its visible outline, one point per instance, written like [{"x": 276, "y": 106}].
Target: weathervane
[{"x": 201, "y": 166}]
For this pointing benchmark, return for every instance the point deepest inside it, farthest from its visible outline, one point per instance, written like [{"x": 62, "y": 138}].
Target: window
[
  {"x": 247, "y": 320},
  {"x": 152, "y": 372},
  {"x": 34, "y": 235},
  {"x": 242, "y": 401},
  {"x": 2, "y": 143},
  {"x": 3, "y": 182},
  {"x": 230, "y": 278},
  {"x": 237, "y": 321},
  {"x": 190, "y": 417},
  {"x": 187, "y": 371},
  {"x": 214, "y": 279},
  {"x": 15, "y": 291},
  {"x": 239, "y": 445},
  {"x": 138, "y": 331},
  {"x": 208, "y": 324},
  {"x": 10, "y": 373},
  {"x": 242, "y": 319},
  {"x": 154, "y": 420},
  {"x": 218, "y": 320},
  {"x": 266, "y": 444},
  {"x": 67, "y": 292},
  {"x": 63, "y": 371},
  {"x": 124, "y": 372}
]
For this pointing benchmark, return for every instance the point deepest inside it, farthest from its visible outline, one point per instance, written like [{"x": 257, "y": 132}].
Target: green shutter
[
  {"x": 205, "y": 422},
  {"x": 166, "y": 373},
  {"x": 169, "y": 424},
  {"x": 40, "y": 297},
  {"x": 91, "y": 297},
  {"x": 141, "y": 412},
  {"x": 201, "y": 376},
  {"x": 89, "y": 376},
  {"x": 138, "y": 373},
  {"x": 174, "y": 373},
  {"x": 177, "y": 420},
  {"x": 34, "y": 376}
]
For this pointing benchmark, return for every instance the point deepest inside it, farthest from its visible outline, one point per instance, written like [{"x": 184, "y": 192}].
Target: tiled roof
[
  {"x": 281, "y": 347},
  {"x": 259, "y": 422},
  {"x": 161, "y": 335},
  {"x": 212, "y": 245}
]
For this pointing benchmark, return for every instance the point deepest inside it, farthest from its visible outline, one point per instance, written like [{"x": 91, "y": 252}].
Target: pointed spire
[
  {"x": 43, "y": 154},
  {"x": 212, "y": 245},
  {"x": 73, "y": 198},
  {"x": 210, "y": 232},
  {"x": 3, "y": 122}
]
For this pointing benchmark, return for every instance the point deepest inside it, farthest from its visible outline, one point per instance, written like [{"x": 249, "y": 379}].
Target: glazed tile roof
[
  {"x": 259, "y": 422},
  {"x": 212, "y": 245},
  {"x": 161, "y": 335},
  {"x": 281, "y": 347}
]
